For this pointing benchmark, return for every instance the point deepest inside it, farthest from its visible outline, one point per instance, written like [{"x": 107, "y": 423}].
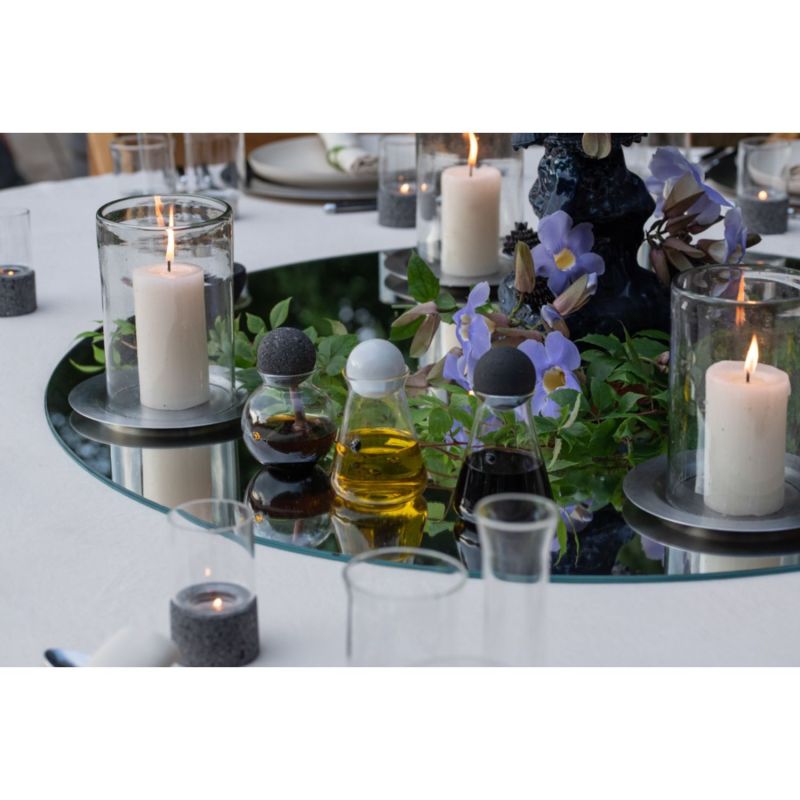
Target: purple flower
[
  {"x": 735, "y": 236},
  {"x": 555, "y": 361},
  {"x": 474, "y": 336},
  {"x": 564, "y": 252},
  {"x": 667, "y": 166},
  {"x": 652, "y": 549}
]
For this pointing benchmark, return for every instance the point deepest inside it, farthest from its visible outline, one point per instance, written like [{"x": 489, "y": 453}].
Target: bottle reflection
[{"x": 291, "y": 509}]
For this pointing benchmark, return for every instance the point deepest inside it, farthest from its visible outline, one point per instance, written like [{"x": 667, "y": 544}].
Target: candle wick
[
  {"x": 169, "y": 266},
  {"x": 747, "y": 376},
  {"x": 470, "y": 170}
]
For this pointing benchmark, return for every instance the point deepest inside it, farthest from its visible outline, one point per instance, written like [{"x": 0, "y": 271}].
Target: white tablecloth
[{"x": 79, "y": 560}]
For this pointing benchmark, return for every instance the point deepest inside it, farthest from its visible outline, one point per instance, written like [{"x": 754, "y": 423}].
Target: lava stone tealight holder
[
  {"x": 17, "y": 290},
  {"x": 213, "y": 612}
]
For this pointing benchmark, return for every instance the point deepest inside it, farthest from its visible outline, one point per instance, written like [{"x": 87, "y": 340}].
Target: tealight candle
[
  {"x": 745, "y": 436},
  {"x": 215, "y": 624},
  {"x": 213, "y": 612},
  {"x": 169, "y": 304},
  {"x": 470, "y": 217},
  {"x": 17, "y": 290}
]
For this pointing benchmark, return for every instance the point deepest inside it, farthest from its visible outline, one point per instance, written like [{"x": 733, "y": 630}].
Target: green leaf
[
  {"x": 436, "y": 511},
  {"x": 99, "y": 354},
  {"x": 312, "y": 334},
  {"x": 602, "y": 442},
  {"x": 94, "y": 335},
  {"x": 279, "y": 313},
  {"x": 600, "y": 368},
  {"x": 603, "y": 396},
  {"x": 439, "y": 424},
  {"x": 608, "y": 343},
  {"x": 399, "y": 333},
  {"x": 124, "y": 327},
  {"x": 255, "y": 324},
  {"x": 337, "y": 328},
  {"x": 422, "y": 283},
  {"x": 88, "y": 369},
  {"x": 446, "y": 302}
]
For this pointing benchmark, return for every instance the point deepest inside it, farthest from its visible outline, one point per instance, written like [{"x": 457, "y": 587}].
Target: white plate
[
  {"x": 279, "y": 191},
  {"x": 302, "y": 162}
]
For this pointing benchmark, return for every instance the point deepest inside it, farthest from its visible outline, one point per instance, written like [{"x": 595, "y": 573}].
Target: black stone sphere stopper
[
  {"x": 286, "y": 352},
  {"x": 504, "y": 372}
]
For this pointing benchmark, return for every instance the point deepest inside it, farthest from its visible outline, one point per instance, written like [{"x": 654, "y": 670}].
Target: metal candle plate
[
  {"x": 703, "y": 540},
  {"x": 89, "y": 399},
  {"x": 646, "y": 487}
]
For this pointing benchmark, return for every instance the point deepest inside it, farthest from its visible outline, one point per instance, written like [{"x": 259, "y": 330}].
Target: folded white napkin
[{"x": 345, "y": 152}]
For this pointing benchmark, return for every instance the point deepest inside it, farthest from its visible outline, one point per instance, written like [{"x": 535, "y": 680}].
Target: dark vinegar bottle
[{"x": 503, "y": 451}]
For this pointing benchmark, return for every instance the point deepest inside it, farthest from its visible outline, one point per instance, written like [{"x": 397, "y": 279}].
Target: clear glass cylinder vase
[
  {"x": 166, "y": 268},
  {"x": 516, "y": 531},
  {"x": 463, "y": 212},
  {"x": 734, "y": 417}
]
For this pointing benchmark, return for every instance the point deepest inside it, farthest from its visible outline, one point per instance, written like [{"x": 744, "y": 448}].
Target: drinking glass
[
  {"x": 762, "y": 183},
  {"x": 144, "y": 163},
  {"x": 15, "y": 237},
  {"x": 401, "y": 606},
  {"x": 214, "y": 165},
  {"x": 397, "y": 181},
  {"x": 213, "y": 609},
  {"x": 516, "y": 531}
]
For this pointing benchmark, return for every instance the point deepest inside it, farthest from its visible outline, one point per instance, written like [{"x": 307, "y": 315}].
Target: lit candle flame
[
  {"x": 171, "y": 239},
  {"x": 740, "y": 299},
  {"x": 405, "y": 188},
  {"x": 751, "y": 361},
  {"x": 472, "y": 157},
  {"x": 762, "y": 195},
  {"x": 216, "y": 604},
  {"x": 159, "y": 210}
]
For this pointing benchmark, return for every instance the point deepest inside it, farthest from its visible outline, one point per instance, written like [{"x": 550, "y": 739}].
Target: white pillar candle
[
  {"x": 470, "y": 218},
  {"x": 172, "y": 352},
  {"x": 745, "y": 437},
  {"x": 175, "y": 475}
]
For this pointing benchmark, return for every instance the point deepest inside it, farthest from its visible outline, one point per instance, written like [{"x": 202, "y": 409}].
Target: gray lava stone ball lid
[
  {"x": 285, "y": 352},
  {"x": 504, "y": 372}
]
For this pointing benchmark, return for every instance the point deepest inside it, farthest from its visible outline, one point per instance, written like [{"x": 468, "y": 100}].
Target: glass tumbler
[
  {"x": 516, "y": 531},
  {"x": 213, "y": 609},
  {"x": 17, "y": 278},
  {"x": 402, "y": 604},
  {"x": 144, "y": 163},
  {"x": 397, "y": 181},
  {"x": 762, "y": 183},
  {"x": 214, "y": 165},
  {"x": 15, "y": 237}
]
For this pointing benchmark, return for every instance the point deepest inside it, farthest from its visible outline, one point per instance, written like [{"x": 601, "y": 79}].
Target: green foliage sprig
[{"x": 617, "y": 420}]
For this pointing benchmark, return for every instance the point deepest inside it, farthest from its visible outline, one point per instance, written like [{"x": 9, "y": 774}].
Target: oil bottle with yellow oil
[{"x": 378, "y": 475}]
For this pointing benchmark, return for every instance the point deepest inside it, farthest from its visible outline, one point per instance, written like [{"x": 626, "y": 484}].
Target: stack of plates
[{"x": 298, "y": 169}]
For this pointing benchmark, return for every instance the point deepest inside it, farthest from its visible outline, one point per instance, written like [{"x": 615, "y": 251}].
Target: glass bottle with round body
[
  {"x": 288, "y": 423},
  {"x": 503, "y": 451},
  {"x": 378, "y": 473}
]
